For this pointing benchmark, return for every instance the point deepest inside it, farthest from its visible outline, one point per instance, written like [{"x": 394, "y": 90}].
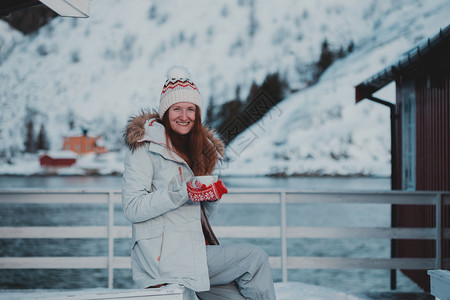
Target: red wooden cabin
[{"x": 58, "y": 160}]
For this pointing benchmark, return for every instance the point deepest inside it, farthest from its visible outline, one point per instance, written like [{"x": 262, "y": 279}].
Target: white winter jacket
[{"x": 168, "y": 245}]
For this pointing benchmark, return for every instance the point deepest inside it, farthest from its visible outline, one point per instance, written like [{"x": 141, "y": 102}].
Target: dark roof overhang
[
  {"x": 9, "y": 6},
  {"x": 434, "y": 53},
  {"x": 65, "y": 8}
]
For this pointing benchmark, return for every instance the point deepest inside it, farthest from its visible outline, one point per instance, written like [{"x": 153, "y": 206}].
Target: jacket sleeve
[{"x": 140, "y": 202}]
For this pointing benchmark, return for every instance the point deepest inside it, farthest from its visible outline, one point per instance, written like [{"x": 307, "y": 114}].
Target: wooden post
[
  {"x": 110, "y": 241},
  {"x": 439, "y": 231},
  {"x": 283, "y": 236}
]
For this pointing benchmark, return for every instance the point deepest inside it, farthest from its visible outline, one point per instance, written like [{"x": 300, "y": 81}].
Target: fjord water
[{"x": 290, "y": 183}]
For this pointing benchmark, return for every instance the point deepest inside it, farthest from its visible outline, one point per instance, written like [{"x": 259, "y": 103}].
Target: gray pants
[{"x": 239, "y": 271}]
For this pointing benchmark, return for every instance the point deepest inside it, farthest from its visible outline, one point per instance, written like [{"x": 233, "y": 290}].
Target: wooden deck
[
  {"x": 175, "y": 294},
  {"x": 171, "y": 293}
]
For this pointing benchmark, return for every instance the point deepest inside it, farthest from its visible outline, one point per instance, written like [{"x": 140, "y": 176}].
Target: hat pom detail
[{"x": 177, "y": 72}]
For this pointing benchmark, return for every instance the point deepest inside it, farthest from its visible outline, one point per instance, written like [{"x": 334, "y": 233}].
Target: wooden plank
[
  {"x": 360, "y": 263},
  {"x": 364, "y": 233},
  {"x": 43, "y": 196},
  {"x": 440, "y": 283},
  {"x": 173, "y": 292},
  {"x": 122, "y": 232},
  {"x": 247, "y": 231},
  {"x": 275, "y": 262},
  {"x": 55, "y": 198},
  {"x": 165, "y": 293},
  {"x": 59, "y": 232},
  {"x": 59, "y": 191},
  {"x": 117, "y": 198},
  {"x": 123, "y": 262},
  {"x": 247, "y": 198},
  {"x": 364, "y": 198},
  {"x": 62, "y": 262}
]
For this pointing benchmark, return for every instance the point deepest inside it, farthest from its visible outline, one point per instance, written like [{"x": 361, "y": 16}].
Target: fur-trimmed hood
[{"x": 139, "y": 130}]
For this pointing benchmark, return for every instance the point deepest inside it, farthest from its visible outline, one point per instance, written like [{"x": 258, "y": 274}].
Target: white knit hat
[{"x": 178, "y": 88}]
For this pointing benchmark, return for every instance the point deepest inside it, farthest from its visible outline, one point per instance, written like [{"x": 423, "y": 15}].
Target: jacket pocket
[
  {"x": 147, "y": 230},
  {"x": 178, "y": 254},
  {"x": 147, "y": 251}
]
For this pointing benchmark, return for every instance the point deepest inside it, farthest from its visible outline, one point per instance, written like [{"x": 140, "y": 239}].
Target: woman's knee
[{"x": 256, "y": 253}]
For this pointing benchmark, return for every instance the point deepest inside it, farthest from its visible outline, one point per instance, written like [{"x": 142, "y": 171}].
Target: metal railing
[{"x": 235, "y": 196}]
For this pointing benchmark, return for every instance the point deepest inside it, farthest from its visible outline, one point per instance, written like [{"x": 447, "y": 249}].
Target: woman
[{"x": 172, "y": 239}]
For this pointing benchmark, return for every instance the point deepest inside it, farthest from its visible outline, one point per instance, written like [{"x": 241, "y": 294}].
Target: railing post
[
  {"x": 110, "y": 241},
  {"x": 439, "y": 230},
  {"x": 394, "y": 246},
  {"x": 283, "y": 236}
]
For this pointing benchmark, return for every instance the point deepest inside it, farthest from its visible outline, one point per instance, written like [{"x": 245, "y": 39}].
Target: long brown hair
[{"x": 195, "y": 147}]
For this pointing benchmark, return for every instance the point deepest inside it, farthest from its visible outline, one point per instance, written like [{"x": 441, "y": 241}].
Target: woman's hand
[{"x": 211, "y": 192}]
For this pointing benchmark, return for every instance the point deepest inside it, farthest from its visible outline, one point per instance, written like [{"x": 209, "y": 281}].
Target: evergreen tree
[
  {"x": 71, "y": 119},
  {"x": 42, "y": 140},
  {"x": 229, "y": 113},
  {"x": 254, "y": 90},
  {"x": 326, "y": 57},
  {"x": 236, "y": 115},
  {"x": 210, "y": 116},
  {"x": 29, "y": 138},
  {"x": 275, "y": 86},
  {"x": 350, "y": 47},
  {"x": 341, "y": 53}
]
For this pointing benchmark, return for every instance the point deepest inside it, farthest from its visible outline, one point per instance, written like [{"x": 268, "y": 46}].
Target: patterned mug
[{"x": 206, "y": 180}]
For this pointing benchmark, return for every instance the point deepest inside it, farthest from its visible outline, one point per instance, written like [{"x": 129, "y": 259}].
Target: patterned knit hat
[{"x": 178, "y": 88}]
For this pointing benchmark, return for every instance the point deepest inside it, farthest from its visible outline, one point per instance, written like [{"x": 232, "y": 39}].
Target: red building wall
[
  {"x": 82, "y": 144},
  {"x": 433, "y": 133},
  {"x": 47, "y": 161},
  {"x": 432, "y": 166}
]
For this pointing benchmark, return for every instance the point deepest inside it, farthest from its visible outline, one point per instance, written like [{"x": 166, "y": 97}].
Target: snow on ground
[
  {"x": 298, "y": 290},
  {"x": 103, "y": 164}
]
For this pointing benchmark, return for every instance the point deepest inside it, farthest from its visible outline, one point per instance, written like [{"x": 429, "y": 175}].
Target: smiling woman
[{"x": 173, "y": 241}]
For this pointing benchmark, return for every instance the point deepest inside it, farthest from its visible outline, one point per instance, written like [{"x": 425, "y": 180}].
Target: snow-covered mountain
[{"x": 98, "y": 71}]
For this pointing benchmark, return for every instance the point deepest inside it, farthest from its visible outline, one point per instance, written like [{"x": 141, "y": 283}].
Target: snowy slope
[
  {"x": 99, "y": 71},
  {"x": 320, "y": 130}
]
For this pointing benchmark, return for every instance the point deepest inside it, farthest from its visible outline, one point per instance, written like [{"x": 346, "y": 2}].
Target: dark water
[{"x": 235, "y": 214}]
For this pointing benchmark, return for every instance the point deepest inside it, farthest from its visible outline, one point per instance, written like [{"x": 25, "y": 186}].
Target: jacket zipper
[
  {"x": 160, "y": 250},
  {"x": 181, "y": 173}
]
